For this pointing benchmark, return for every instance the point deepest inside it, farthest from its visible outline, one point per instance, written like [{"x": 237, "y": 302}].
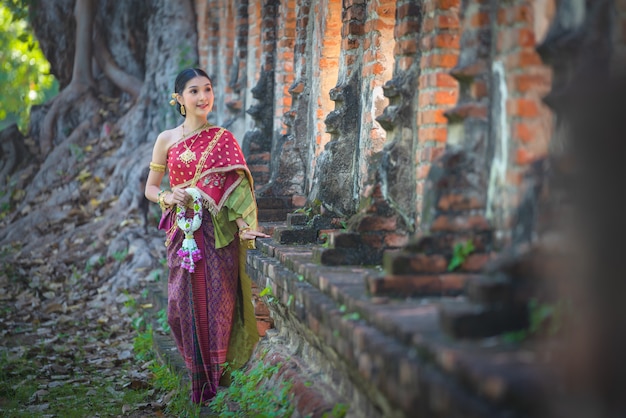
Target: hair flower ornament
[{"x": 189, "y": 250}]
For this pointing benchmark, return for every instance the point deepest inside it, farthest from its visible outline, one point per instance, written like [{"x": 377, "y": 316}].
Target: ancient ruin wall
[{"x": 336, "y": 98}]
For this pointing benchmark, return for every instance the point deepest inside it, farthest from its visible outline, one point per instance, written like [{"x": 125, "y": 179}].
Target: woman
[{"x": 210, "y": 218}]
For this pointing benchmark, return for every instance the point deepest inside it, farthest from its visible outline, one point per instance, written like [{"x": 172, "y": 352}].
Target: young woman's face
[{"x": 198, "y": 96}]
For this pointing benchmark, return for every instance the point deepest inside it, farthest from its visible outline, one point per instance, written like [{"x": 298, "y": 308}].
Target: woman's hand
[
  {"x": 247, "y": 233},
  {"x": 178, "y": 196}
]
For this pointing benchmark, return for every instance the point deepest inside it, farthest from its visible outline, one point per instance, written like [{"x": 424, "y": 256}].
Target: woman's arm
[
  {"x": 246, "y": 233},
  {"x": 153, "y": 191}
]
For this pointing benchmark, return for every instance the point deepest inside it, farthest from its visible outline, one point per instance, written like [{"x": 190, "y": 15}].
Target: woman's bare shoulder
[{"x": 167, "y": 135}]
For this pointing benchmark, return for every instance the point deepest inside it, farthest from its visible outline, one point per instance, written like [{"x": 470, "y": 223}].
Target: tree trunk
[{"x": 84, "y": 198}]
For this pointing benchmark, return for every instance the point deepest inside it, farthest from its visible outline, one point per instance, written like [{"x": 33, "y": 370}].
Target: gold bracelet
[
  {"x": 243, "y": 231},
  {"x": 159, "y": 168},
  {"x": 161, "y": 199}
]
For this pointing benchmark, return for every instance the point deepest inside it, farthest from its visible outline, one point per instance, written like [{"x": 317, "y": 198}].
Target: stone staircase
[{"x": 394, "y": 357}]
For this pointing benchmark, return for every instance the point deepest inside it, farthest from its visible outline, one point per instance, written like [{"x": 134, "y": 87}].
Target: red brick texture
[
  {"x": 438, "y": 40},
  {"x": 380, "y": 40},
  {"x": 528, "y": 80}
]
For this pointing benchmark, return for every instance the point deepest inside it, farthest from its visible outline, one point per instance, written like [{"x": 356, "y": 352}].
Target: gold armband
[{"x": 159, "y": 168}]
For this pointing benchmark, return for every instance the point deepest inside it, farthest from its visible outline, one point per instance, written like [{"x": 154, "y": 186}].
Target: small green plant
[
  {"x": 325, "y": 238},
  {"x": 138, "y": 322},
  {"x": 142, "y": 345},
  {"x": 339, "y": 411},
  {"x": 120, "y": 255},
  {"x": 268, "y": 294},
  {"x": 313, "y": 208},
  {"x": 543, "y": 318},
  {"x": 306, "y": 211},
  {"x": 91, "y": 265},
  {"x": 164, "y": 380},
  {"x": 251, "y": 397},
  {"x": 77, "y": 152},
  {"x": 162, "y": 321},
  {"x": 460, "y": 253},
  {"x": 130, "y": 302},
  {"x": 349, "y": 316},
  {"x": 352, "y": 316}
]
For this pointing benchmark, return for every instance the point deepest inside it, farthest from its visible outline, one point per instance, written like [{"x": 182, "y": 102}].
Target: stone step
[
  {"x": 466, "y": 320},
  {"x": 273, "y": 209},
  {"x": 404, "y": 262},
  {"x": 417, "y": 285},
  {"x": 297, "y": 219},
  {"x": 270, "y": 202},
  {"x": 443, "y": 242},
  {"x": 489, "y": 290},
  {"x": 391, "y": 347},
  {"x": 273, "y": 215},
  {"x": 287, "y": 235}
]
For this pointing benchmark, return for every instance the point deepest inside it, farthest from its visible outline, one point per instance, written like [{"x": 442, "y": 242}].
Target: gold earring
[{"x": 182, "y": 110}]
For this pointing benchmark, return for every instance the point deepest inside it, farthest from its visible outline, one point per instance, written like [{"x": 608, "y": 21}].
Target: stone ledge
[{"x": 394, "y": 352}]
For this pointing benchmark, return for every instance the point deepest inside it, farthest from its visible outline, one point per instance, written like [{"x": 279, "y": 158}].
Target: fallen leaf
[{"x": 83, "y": 175}]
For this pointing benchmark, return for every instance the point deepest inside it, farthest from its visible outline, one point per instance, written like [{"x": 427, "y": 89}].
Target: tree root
[
  {"x": 126, "y": 82},
  {"x": 61, "y": 105}
]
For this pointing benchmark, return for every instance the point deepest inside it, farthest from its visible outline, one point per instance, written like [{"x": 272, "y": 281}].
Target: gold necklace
[{"x": 188, "y": 155}]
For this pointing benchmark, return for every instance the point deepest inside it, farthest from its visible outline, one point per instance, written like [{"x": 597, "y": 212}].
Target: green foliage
[
  {"x": 352, "y": 316},
  {"x": 325, "y": 240},
  {"x": 142, "y": 345},
  {"x": 268, "y": 294},
  {"x": 19, "y": 390},
  {"x": 13, "y": 389},
  {"x": 163, "y": 379},
  {"x": 77, "y": 152},
  {"x": 339, "y": 411},
  {"x": 349, "y": 316},
  {"x": 544, "y": 319},
  {"x": 89, "y": 266},
  {"x": 314, "y": 208},
  {"x": 460, "y": 254},
  {"x": 120, "y": 255},
  {"x": 267, "y": 291},
  {"x": 25, "y": 77},
  {"x": 247, "y": 397},
  {"x": 162, "y": 321}
]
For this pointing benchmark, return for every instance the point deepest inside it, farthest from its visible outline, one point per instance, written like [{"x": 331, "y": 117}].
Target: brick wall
[
  {"x": 325, "y": 66},
  {"x": 223, "y": 51},
  {"x": 419, "y": 122},
  {"x": 529, "y": 122},
  {"x": 439, "y": 39},
  {"x": 253, "y": 59},
  {"x": 464, "y": 57},
  {"x": 284, "y": 67}
]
